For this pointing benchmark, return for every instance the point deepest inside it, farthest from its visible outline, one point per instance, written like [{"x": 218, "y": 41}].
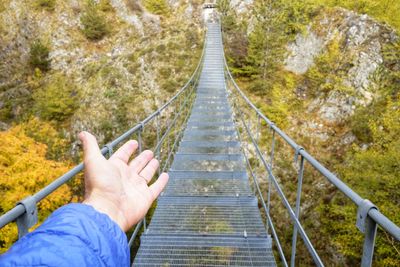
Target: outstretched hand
[{"x": 118, "y": 187}]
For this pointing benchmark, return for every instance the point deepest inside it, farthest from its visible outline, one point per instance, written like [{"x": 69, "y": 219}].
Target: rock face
[
  {"x": 334, "y": 108},
  {"x": 140, "y": 56},
  {"x": 241, "y": 6},
  {"x": 128, "y": 15},
  {"x": 361, "y": 39},
  {"x": 366, "y": 37},
  {"x": 302, "y": 52}
]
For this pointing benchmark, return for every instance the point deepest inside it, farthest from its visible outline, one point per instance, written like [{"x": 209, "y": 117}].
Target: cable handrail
[
  {"x": 366, "y": 209},
  {"x": 22, "y": 207},
  {"x": 380, "y": 218},
  {"x": 266, "y": 209}
]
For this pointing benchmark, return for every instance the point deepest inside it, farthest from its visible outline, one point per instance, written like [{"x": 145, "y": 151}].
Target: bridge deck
[{"x": 207, "y": 215}]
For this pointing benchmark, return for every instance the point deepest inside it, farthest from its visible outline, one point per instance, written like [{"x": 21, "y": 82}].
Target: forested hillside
[
  {"x": 68, "y": 66},
  {"x": 328, "y": 73}
]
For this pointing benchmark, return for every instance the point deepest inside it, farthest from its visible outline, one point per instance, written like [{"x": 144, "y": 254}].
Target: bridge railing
[
  {"x": 368, "y": 215},
  {"x": 160, "y": 131}
]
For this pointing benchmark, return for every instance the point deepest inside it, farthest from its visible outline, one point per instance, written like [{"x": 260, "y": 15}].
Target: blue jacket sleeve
[{"x": 74, "y": 235}]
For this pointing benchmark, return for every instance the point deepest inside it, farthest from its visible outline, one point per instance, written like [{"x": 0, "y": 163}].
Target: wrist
[{"x": 107, "y": 207}]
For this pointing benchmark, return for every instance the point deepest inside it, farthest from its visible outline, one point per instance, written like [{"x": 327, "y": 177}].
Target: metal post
[
  {"x": 367, "y": 226},
  {"x": 168, "y": 144},
  {"x": 176, "y": 115},
  {"x": 140, "y": 140},
  {"x": 158, "y": 140},
  {"x": 269, "y": 176},
  {"x": 258, "y": 128},
  {"x": 134, "y": 234},
  {"x": 271, "y": 165},
  {"x": 249, "y": 119},
  {"x": 369, "y": 242},
  {"x": 29, "y": 218},
  {"x": 297, "y": 212},
  {"x": 110, "y": 149},
  {"x": 140, "y": 151},
  {"x": 180, "y": 101}
]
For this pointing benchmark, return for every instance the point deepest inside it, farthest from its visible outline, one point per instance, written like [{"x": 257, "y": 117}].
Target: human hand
[{"x": 118, "y": 187}]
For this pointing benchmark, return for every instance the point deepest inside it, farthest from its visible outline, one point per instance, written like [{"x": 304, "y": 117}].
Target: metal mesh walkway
[{"x": 207, "y": 215}]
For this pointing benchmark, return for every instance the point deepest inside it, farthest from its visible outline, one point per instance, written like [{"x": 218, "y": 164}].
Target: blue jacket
[{"x": 74, "y": 235}]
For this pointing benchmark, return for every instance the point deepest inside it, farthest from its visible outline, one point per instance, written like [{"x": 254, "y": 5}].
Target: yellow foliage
[
  {"x": 385, "y": 131},
  {"x": 383, "y": 10},
  {"x": 24, "y": 170}
]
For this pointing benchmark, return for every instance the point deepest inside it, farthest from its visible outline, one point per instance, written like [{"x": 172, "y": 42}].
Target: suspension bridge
[
  {"x": 213, "y": 211},
  {"x": 207, "y": 215}
]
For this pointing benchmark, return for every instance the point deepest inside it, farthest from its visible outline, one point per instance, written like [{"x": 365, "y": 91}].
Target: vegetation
[
  {"x": 265, "y": 42},
  {"x": 48, "y": 5},
  {"x": 370, "y": 166},
  {"x": 93, "y": 21},
  {"x": 39, "y": 55},
  {"x": 2, "y": 7},
  {"x": 105, "y": 5},
  {"x": 24, "y": 170},
  {"x": 45, "y": 133},
  {"x": 159, "y": 7},
  {"x": 46, "y": 103},
  {"x": 223, "y": 254},
  {"x": 326, "y": 75},
  {"x": 57, "y": 99},
  {"x": 371, "y": 173},
  {"x": 383, "y": 10}
]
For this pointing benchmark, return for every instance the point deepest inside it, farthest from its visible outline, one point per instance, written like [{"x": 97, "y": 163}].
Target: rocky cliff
[
  {"x": 361, "y": 40},
  {"x": 147, "y": 53},
  {"x": 329, "y": 77}
]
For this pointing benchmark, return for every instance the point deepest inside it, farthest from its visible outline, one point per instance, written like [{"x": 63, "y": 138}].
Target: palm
[{"x": 118, "y": 187}]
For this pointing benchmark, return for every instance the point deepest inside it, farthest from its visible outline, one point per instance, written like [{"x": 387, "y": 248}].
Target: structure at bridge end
[{"x": 210, "y": 12}]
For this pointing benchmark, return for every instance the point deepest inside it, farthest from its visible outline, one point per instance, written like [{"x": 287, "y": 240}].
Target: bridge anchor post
[
  {"x": 110, "y": 149},
  {"x": 29, "y": 218},
  {"x": 367, "y": 226},
  {"x": 271, "y": 161},
  {"x": 300, "y": 175}
]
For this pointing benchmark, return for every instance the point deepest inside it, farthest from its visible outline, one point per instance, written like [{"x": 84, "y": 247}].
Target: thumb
[{"x": 91, "y": 148}]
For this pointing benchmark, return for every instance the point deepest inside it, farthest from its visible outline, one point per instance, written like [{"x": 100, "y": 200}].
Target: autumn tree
[{"x": 24, "y": 170}]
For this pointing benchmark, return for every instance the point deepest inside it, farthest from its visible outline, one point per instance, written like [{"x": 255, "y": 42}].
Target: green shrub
[
  {"x": 159, "y": 7},
  {"x": 360, "y": 121},
  {"x": 277, "y": 112},
  {"x": 6, "y": 111},
  {"x": 49, "y": 5},
  {"x": 2, "y": 6},
  {"x": 328, "y": 71},
  {"x": 47, "y": 133},
  {"x": 224, "y": 7},
  {"x": 94, "y": 23},
  {"x": 170, "y": 85},
  {"x": 39, "y": 56},
  {"x": 105, "y": 6},
  {"x": 111, "y": 93},
  {"x": 373, "y": 173},
  {"x": 57, "y": 99}
]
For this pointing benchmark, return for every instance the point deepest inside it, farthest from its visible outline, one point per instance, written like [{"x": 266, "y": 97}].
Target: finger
[
  {"x": 125, "y": 152},
  {"x": 90, "y": 146},
  {"x": 148, "y": 172},
  {"x": 159, "y": 185},
  {"x": 138, "y": 163}
]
